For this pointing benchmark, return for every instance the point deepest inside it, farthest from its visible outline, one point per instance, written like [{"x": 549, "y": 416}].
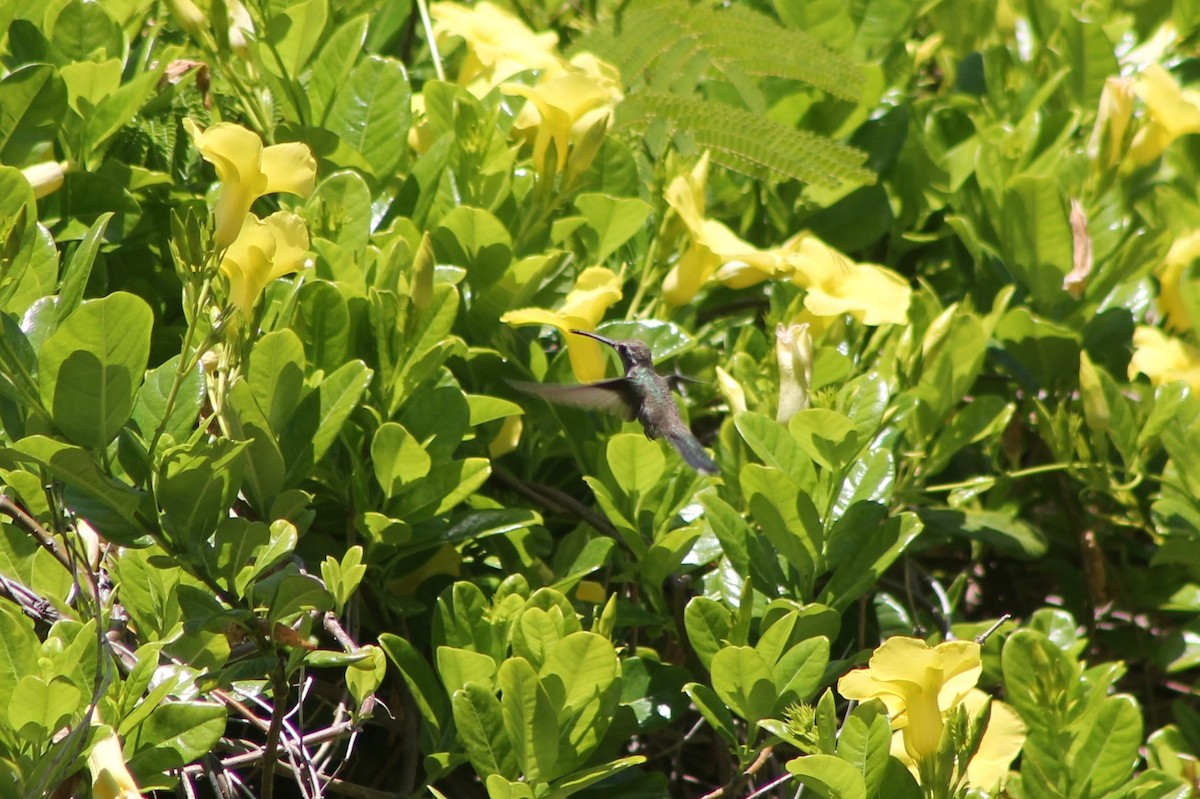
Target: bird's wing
[
  {"x": 613, "y": 396},
  {"x": 689, "y": 447}
]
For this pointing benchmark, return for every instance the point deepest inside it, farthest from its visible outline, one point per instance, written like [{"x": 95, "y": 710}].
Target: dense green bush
[{"x": 276, "y": 517}]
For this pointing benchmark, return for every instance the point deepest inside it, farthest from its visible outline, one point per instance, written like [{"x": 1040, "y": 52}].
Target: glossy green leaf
[
  {"x": 529, "y": 719},
  {"x": 480, "y": 723},
  {"x": 771, "y": 443},
  {"x": 828, "y": 776},
  {"x": 743, "y": 681},
  {"x": 865, "y": 743},
  {"x": 714, "y": 710},
  {"x": 772, "y": 498},
  {"x": 870, "y": 545},
  {"x": 318, "y": 419},
  {"x": 297, "y": 593},
  {"x": 429, "y": 696},
  {"x": 365, "y": 676},
  {"x": 611, "y": 221},
  {"x": 197, "y": 485},
  {"x": 294, "y": 33},
  {"x": 38, "y": 708},
  {"x": 826, "y": 436},
  {"x": 1104, "y": 754},
  {"x": 91, "y": 367},
  {"x": 80, "y": 30},
  {"x": 35, "y": 100},
  {"x": 331, "y": 69},
  {"x": 150, "y": 406},
  {"x": 475, "y": 240},
  {"x": 636, "y": 463},
  {"x": 276, "y": 376},
  {"x": 1038, "y": 679},
  {"x": 397, "y": 457},
  {"x": 371, "y": 113},
  {"x": 799, "y": 673},
  {"x": 323, "y": 323},
  {"x": 175, "y": 734},
  {"x": 79, "y": 267}
]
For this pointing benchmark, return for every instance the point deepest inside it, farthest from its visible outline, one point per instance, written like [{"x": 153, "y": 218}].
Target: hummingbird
[{"x": 642, "y": 394}]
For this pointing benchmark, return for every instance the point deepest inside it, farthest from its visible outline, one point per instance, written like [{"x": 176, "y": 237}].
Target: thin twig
[
  {"x": 753, "y": 769},
  {"x": 18, "y": 514},
  {"x": 258, "y": 753},
  {"x": 555, "y": 500}
]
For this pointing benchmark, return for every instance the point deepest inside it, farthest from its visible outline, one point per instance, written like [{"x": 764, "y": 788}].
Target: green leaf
[
  {"x": 1038, "y": 679},
  {"x": 708, "y": 624},
  {"x": 81, "y": 30},
  {"x": 439, "y": 418},
  {"x": 197, "y": 485},
  {"x": 457, "y": 667},
  {"x": 332, "y": 68},
  {"x": 319, "y": 418},
  {"x": 276, "y": 376},
  {"x": 175, "y": 734},
  {"x": 295, "y": 594},
  {"x": 872, "y": 546},
  {"x": 477, "y": 241},
  {"x": 397, "y": 458},
  {"x": 611, "y": 222},
  {"x": 772, "y": 498},
  {"x": 715, "y": 712},
  {"x": 90, "y": 368},
  {"x": 829, "y": 777},
  {"x": 34, "y": 99},
  {"x": 323, "y": 322},
  {"x": 480, "y": 723},
  {"x": 444, "y": 487},
  {"x": 428, "y": 695},
  {"x": 730, "y": 529},
  {"x": 1007, "y": 534},
  {"x": 743, "y": 681},
  {"x": 38, "y": 708},
  {"x": 771, "y": 443},
  {"x": 800, "y": 672},
  {"x": 294, "y": 32},
  {"x": 150, "y": 405},
  {"x": 865, "y": 743},
  {"x": 371, "y": 112},
  {"x": 665, "y": 339},
  {"x": 636, "y": 463},
  {"x": 826, "y": 436},
  {"x": 529, "y": 720},
  {"x": 264, "y": 466},
  {"x": 79, "y": 267},
  {"x": 366, "y": 675},
  {"x": 1104, "y": 753},
  {"x": 577, "y": 781},
  {"x": 18, "y": 655},
  {"x": 75, "y": 467}
]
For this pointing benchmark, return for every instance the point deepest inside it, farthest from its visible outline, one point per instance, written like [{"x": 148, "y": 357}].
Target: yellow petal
[
  {"x": 1113, "y": 118},
  {"x": 1164, "y": 359},
  {"x": 289, "y": 167},
  {"x": 688, "y": 274},
  {"x": 106, "y": 763},
  {"x": 1166, "y": 103},
  {"x": 291, "y": 243},
  {"x": 1001, "y": 743},
  {"x": 247, "y": 263},
  {"x": 685, "y": 194},
  {"x": 596, "y": 289}
]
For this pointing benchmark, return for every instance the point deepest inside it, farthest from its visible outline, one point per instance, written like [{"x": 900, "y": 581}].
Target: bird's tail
[{"x": 689, "y": 447}]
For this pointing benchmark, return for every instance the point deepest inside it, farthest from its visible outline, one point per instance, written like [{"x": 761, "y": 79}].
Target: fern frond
[
  {"x": 749, "y": 143},
  {"x": 655, "y": 36}
]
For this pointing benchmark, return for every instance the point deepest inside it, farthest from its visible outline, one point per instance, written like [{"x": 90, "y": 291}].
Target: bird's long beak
[{"x": 596, "y": 336}]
